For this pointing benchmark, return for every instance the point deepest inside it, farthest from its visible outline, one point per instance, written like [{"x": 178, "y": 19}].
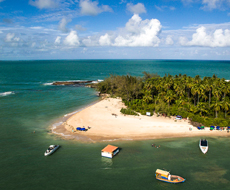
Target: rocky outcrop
[{"x": 72, "y": 82}]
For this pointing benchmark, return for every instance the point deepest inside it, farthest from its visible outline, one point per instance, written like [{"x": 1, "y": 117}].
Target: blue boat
[{"x": 167, "y": 177}]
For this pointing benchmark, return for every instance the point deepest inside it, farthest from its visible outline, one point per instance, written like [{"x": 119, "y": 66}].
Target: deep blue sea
[{"x": 29, "y": 103}]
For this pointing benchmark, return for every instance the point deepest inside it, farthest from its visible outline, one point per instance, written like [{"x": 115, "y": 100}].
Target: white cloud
[
  {"x": 62, "y": 24},
  {"x": 105, "y": 40},
  {"x": 1, "y": 1},
  {"x": 10, "y": 37},
  {"x": 215, "y": 4},
  {"x": 80, "y": 28},
  {"x": 186, "y": 2},
  {"x": 33, "y": 44},
  {"x": 136, "y": 9},
  {"x": 58, "y": 40},
  {"x": 89, "y": 7},
  {"x": 158, "y": 8},
  {"x": 72, "y": 39},
  {"x": 218, "y": 38},
  {"x": 122, "y": 1},
  {"x": 168, "y": 40},
  {"x": 44, "y": 4},
  {"x": 137, "y": 32},
  {"x": 210, "y": 4}
]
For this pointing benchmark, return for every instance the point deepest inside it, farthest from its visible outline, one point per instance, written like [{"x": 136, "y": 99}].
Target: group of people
[{"x": 153, "y": 145}]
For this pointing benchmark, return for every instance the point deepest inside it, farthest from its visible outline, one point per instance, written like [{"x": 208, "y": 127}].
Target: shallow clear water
[{"x": 34, "y": 105}]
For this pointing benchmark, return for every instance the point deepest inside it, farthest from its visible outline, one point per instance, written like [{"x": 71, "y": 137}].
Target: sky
[{"x": 122, "y": 29}]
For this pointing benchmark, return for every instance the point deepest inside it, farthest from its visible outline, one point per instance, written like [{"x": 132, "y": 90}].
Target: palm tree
[
  {"x": 169, "y": 97},
  {"x": 195, "y": 90},
  {"x": 225, "y": 105},
  {"x": 202, "y": 108},
  {"x": 209, "y": 87},
  {"x": 216, "y": 106},
  {"x": 189, "y": 84},
  {"x": 226, "y": 88}
]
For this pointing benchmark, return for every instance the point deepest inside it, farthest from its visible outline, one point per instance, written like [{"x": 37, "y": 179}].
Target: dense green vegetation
[
  {"x": 206, "y": 100},
  {"x": 128, "y": 111}
]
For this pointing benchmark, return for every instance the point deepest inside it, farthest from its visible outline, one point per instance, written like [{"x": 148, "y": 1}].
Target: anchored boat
[
  {"x": 109, "y": 151},
  {"x": 51, "y": 149},
  {"x": 167, "y": 177},
  {"x": 203, "y": 144}
]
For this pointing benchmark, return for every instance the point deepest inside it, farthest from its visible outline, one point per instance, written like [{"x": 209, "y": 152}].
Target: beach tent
[
  {"x": 78, "y": 128},
  {"x": 228, "y": 127},
  {"x": 212, "y": 127},
  {"x": 148, "y": 113},
  {"x": 218, "y": 128},
  {"x": 178, "y": 117}
]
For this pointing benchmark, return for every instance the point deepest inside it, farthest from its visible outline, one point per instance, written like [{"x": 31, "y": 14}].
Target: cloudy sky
[{"x": 122, "y": 29}]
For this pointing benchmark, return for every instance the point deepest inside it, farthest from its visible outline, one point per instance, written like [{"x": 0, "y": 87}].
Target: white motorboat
[
  {"x": 51, "y": 149},
  {"x": 203, "y": 145}
]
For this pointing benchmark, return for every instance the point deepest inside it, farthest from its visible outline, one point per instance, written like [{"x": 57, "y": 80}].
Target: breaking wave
[{"x": 6, "y": 93}]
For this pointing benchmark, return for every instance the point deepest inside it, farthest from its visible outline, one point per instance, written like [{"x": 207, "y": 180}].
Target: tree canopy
[{"x": 206, "y": 100}]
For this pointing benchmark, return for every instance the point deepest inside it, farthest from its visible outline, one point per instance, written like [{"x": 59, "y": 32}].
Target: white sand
[{"x": 104, "y": 125}]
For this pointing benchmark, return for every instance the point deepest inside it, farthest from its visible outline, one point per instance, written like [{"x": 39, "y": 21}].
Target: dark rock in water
[{"x": 72, "y": 82}]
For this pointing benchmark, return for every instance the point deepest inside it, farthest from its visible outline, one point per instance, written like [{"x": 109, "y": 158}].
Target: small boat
[
  {"x": 51, "y": 149},
  {"x": 167, "y": 177},
  {"x": 110, "y": 151},
  {"x": 203, "y": 145}
]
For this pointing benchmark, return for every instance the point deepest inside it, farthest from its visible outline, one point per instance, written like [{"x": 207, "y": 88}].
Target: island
[{"x": 121, "y": 114}]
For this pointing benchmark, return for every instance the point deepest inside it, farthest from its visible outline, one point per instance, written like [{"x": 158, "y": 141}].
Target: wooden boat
[
  {"x": 167, "y": 177},
  {"x": 203, "y": 144},
  {"x": 51, "y": 150}
]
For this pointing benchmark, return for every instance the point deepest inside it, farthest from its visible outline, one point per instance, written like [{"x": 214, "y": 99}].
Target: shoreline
[{"x": 106, "y": 123}]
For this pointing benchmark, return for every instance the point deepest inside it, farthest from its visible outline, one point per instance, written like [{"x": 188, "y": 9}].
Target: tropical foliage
[{"x": 206, "y": 100}]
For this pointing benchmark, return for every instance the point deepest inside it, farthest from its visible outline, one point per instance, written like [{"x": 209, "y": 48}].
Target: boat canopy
[
  {"x": 109, "y": 148},
  {"x": 162, "y": 173}
]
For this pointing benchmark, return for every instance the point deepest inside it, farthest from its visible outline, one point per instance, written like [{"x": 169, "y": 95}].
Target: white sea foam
[
  {"x": 118, "y": 139},
  {"x": 57, "y": 124},
  {"x": 48, "y": 84},
  {"x": 95, "y": 82},
  {"x": 6, "y": 93}
]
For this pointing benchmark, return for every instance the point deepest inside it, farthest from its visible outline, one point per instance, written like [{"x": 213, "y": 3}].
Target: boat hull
[
  {"x": 52, "y": 151},
  {"x": 175, "y": 179},
  {"x": 204, "y": 149}
]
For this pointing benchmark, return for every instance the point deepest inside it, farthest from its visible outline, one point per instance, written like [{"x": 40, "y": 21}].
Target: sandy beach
[{"x": 104, "y": 122}]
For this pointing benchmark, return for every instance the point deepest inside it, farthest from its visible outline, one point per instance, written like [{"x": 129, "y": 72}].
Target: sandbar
[{"x": 104, "y": 122}]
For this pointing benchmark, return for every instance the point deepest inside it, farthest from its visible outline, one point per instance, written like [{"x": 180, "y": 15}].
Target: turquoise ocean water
[{"x": 29, "y": 103}]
